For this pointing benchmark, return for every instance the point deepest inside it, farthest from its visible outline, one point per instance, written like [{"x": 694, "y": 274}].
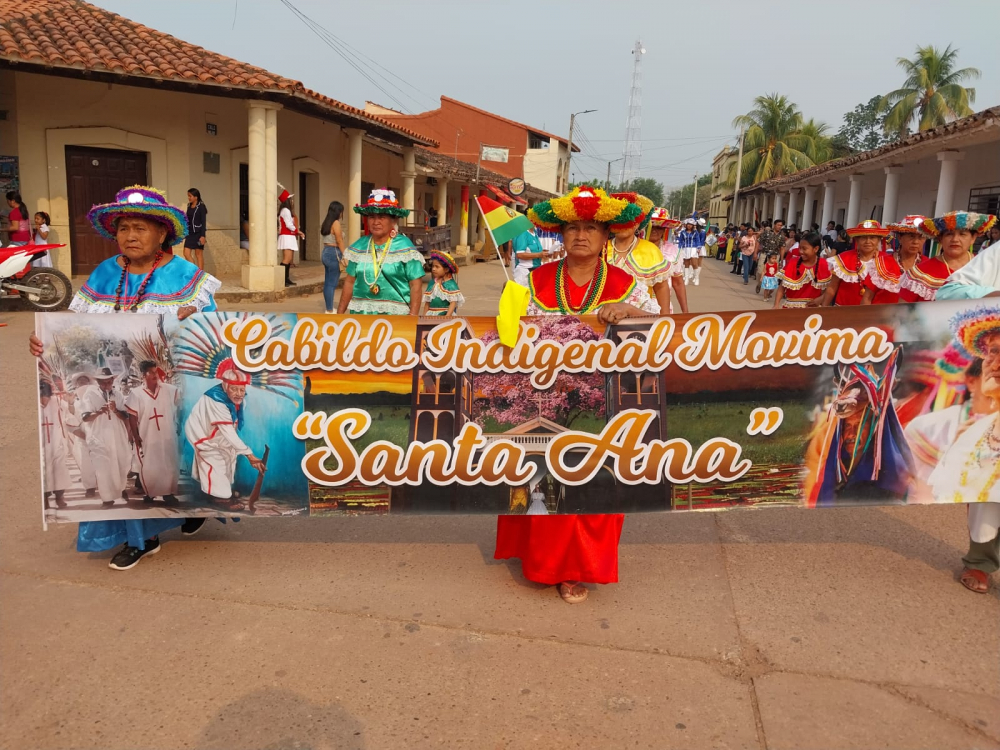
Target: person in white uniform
[
  {"x": 970, "y": 469},
  {"x": 213, "y": 428},
  {"x": 106, "y": 426},
  {"x": 152, "y": 411},
  {"x": 72, "y": 417},
  {"x": 55, "y": 445}
]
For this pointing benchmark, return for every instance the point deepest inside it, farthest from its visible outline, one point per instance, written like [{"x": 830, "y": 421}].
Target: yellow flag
[{"x": 513, "y": 304}]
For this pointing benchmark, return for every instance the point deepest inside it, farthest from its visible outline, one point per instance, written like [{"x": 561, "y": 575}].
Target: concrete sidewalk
[{"x": 771, "y": 628}]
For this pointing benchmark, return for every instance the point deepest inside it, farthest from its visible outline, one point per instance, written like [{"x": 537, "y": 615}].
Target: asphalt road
[{"x": 776, "y": 628}]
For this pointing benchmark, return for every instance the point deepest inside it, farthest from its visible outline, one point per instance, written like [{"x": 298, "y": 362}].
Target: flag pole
[{"x": 492, "y": 237}]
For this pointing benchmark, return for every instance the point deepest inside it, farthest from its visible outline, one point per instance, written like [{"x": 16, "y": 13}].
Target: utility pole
[
  {"x": 607, "y": 181},
  {"x": 739, "y": 176},
  {"x": 694, "y": 200},
  {"x": 569, "y": 156}
]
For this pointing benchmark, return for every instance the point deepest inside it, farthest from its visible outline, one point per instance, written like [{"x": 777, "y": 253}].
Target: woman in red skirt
[
  {"x": 886, "y": 283},
  {"x": 569, "y": 550}
]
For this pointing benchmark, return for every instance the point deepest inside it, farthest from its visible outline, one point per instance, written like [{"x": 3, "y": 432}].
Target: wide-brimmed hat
[
  {"x": 868, "y": 228},
  {"x": 972, "y": 327},
  {"x": 909, "y": 225},
  {"x": 139, "y": 200},
  {"x": 582, "y": 203},
  {"x": 102, "y": 373},
  {"x": 444, "y": 259},
  {"x": 975, "y": 222},
  {"x": 660, "y": 218},
  {"x": 382, "y": 201},
  {"x": 644, "y": 204}
]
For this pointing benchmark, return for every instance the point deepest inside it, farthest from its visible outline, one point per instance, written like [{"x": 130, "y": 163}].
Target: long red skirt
[{"x": 561, "y": 548}]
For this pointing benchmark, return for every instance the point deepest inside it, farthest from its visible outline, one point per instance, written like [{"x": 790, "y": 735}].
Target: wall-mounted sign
[
  {"x": 211, "y": 128},
  {"x": 494, "y": 153},
  {"x": 515, "y": 186}
]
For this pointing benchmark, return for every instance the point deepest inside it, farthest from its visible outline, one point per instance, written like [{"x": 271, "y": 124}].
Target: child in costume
[
  {"x": 770, "y": 281},
  {"x": 442, "y": 297}
]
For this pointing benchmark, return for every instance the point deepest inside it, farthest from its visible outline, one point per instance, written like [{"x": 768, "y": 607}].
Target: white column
[
  {"x": 829, "y": 192},
  {"x": 261, "y": 273},
  {"x": 409, "y": 174},
  {"x": 854, "y": 202},
  {"x": 793, "y": 204},
  {"x": 890, "y": 201},
  {"x": 271, "y": 185},
  {"x": 807, "y": 208},
  {"x": 946, "y": 181},
  {"x": 354, "y": 141},
  {"x": 765, "y": 203},
  {"x": 779, "y": 206},
  {"x": 756, "y": 206},
  {"x": 441, "y": 201}
]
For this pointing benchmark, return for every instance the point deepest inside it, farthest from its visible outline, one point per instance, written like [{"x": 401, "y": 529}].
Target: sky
[{"x": 539, "y": 62}]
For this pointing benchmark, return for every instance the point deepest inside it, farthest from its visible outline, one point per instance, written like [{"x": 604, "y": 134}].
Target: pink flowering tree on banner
[{"x": 509, "y": 399}]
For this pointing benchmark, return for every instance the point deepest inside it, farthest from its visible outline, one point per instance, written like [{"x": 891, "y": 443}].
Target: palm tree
[
  {"x": 932, "y": 92},
  {"x": 773, "y": 143},
  {"x": 819, "y": 147}
]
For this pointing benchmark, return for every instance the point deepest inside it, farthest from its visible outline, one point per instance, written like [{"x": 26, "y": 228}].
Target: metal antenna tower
[{"x": 633, "y": 143}]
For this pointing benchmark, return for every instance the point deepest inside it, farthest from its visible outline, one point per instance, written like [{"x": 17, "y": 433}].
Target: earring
[{"x": 393, "y": 232}]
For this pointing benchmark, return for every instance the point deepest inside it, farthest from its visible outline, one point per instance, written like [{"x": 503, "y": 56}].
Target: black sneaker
[
  {"x": 129, "y": 557},
  {"x": 192, "y": 526}
]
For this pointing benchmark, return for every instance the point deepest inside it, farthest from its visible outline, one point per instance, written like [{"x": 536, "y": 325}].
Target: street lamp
[{"x": 572, "y": 123}]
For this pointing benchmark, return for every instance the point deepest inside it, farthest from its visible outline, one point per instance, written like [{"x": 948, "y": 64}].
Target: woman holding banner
[
  {"x": 385, "y": 271},
  {"x": 570, "y": 550}
]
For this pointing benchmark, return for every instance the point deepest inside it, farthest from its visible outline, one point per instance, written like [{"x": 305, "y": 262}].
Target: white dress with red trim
[
  {"x": 802, "y": 283},
  {"x": 156, "y": 415},
  {"x": 921, "y": 282},
  {"x": 212, "y": 432}
]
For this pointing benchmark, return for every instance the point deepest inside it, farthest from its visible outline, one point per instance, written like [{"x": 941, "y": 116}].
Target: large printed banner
[{"x": 283, "y": 415}]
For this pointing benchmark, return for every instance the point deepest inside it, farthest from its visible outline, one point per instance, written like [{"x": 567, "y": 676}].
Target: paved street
[{"x": 776, "y": 628}]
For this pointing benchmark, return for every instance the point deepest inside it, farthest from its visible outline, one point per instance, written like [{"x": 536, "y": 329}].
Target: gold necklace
[{"x": 377, "y": 264}]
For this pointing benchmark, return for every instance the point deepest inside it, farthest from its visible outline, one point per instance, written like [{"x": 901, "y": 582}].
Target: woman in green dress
[{"x": 385, "y": 271}]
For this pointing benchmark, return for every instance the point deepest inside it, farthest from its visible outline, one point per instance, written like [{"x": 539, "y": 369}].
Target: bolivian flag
[{"x": 504, "y": 223}]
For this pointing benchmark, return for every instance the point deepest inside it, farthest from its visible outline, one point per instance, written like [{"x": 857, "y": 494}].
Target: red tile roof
[{"x": 74, "y": 36}]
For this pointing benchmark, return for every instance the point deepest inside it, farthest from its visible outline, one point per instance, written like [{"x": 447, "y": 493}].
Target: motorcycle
[{"x": 43, "y": 289}]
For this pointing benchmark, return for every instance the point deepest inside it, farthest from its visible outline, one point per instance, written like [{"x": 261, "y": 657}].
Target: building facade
[{"x": 721, "y": 201}]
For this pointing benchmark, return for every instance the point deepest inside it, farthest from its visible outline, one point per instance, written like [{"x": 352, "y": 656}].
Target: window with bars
[{"x": 985, "y": 200}]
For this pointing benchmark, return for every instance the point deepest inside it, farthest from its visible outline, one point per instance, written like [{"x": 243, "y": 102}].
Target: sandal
[
  {"x": 573, "y": 592},
  {"x": 977, "y": 581}
]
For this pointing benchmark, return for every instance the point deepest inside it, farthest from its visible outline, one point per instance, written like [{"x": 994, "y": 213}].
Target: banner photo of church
[{"x": 238, "y": 414}]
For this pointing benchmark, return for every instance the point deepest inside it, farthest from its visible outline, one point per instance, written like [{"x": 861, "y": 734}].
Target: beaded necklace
[
  {"x": 594, "y": 289},
  {"x": 377, "y": 263},
  {"x": 987, "y": 442},
  {"x": 123, "y": 283}
]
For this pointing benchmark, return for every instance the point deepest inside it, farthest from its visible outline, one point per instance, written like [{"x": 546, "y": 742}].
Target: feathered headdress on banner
[{"x": 202, "y": 353}]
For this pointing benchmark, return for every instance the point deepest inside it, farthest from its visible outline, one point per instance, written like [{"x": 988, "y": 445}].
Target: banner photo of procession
[{"x": 237, "y": 414}]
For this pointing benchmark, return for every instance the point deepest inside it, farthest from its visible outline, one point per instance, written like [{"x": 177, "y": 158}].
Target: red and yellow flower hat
[
  {"x": 583, "y": 203},
  {"x": 644, "y": 204},
  {"x": 660, "y": 218}
]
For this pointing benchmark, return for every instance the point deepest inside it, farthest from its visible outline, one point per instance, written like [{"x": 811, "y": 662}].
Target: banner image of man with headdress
[
  {"x": 55, "y": 444},
  {"x": 152, "y": 410},
  {"x": 858, "y": 453},
  {"x": 213, "y": 429}
]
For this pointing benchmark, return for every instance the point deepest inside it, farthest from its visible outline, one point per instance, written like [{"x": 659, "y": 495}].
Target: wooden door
[{"x": 94, "y": 175}]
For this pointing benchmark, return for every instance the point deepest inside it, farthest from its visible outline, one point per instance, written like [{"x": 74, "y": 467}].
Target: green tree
[
  {"x": 863, "y": 129},
  {"x": 774, "y": 144},
  {"x": 818, "y": 145},
  {"x": 679, "y": 199},
  {"x": 647, "y": 186},
  {"x": 932, "y": 93}
]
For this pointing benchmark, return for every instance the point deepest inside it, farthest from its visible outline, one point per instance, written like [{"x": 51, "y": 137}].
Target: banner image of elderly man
[
  {"x": 152, "y": 410},
  {"x": 105, "y": 423},
  {"x": 213, "y": 429}
]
